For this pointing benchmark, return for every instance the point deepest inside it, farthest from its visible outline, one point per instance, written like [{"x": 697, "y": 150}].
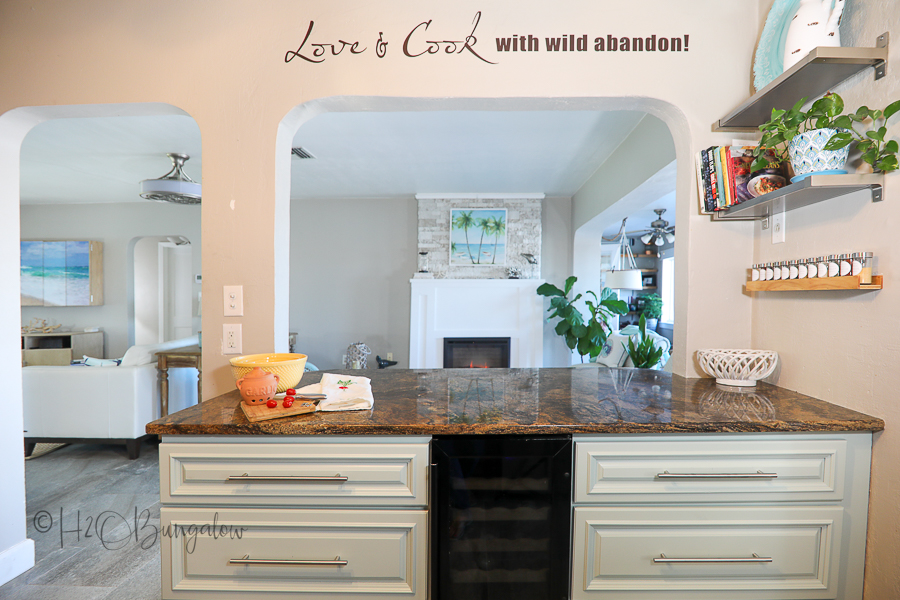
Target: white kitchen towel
[{"x": 342, "y": 392}]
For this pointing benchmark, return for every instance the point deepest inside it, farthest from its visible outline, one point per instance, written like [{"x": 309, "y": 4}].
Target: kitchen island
[{"x": 692, "y": 490}]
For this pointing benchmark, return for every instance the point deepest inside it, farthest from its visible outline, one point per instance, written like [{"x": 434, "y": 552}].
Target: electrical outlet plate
[
  {"x": 231, "y": 338},
  {"x": 778, "y": 221}
]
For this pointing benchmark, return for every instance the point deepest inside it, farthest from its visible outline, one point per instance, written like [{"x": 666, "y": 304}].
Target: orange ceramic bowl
[{"x": 288, "y": 367}]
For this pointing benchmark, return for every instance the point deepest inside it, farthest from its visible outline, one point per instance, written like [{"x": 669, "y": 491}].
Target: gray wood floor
[{"x": 97, "y": 488}]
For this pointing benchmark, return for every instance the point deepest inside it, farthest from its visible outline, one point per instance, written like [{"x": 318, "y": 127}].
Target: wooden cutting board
[{"x": 261, "y": 412}]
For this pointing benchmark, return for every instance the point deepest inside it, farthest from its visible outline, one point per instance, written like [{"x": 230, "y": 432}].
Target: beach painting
[
  {"x": 477, "y": 237},
  {"x": 56, "y": 273}
]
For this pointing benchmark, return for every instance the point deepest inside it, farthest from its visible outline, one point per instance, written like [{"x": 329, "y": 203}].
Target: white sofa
[{"x": 108, "y": 404}]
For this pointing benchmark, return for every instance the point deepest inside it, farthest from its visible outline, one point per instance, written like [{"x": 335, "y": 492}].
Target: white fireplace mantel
[{"x": 442, "y": 308}]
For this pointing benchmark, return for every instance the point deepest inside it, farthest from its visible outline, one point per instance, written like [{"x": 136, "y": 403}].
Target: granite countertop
[{"x": 535, "y": 401}]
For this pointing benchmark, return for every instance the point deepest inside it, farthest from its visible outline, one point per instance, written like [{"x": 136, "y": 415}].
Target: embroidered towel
[{"x": 343, "y": 392}]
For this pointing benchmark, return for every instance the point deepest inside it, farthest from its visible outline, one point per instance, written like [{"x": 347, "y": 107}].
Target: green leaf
[
  {"x": 569, "y": 283},
  {"x": 559, "y": 302},
  {"x": 876, "y": 135},
  {"x": 838, "y": 141},
  {"x": 548, "y": 289},
  {"x": 887, "y": 164},
  {"x": 843, "y": 122},
  {"x": 891, "y": 109},
  {"x": 892, "y": 147},
  {"x": 579, "y": 330},
  {"x": 562, "y": 327},
  {"x": 862, "y": 112},
  {"x": 871, "y": 156},
  {"x": 571, "y": 341}
]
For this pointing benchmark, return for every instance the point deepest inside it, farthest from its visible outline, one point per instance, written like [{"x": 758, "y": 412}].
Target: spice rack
[{"x": 851, "y": 282}]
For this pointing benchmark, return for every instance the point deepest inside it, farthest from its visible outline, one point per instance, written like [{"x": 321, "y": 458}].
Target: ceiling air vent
[{"x": 301, "y": 152}]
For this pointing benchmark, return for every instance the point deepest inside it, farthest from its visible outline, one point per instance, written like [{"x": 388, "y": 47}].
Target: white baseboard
[{"x": 16, "y": 560}]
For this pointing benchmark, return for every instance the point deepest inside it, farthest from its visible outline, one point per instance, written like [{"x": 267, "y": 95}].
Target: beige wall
[
  {"x": 843, "y": 346},
  {"x": 223, "y": 64}
]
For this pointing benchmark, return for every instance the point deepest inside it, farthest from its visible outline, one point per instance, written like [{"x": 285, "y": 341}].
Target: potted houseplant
[
  {"x": 644, "y": 354},
  {"x": 818, "y": 139},
  {"x": 584, "y": 335},
  {"x": 652, "y": 310}
]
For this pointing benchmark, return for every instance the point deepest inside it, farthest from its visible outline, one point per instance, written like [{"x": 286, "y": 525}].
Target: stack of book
[{"x": 725, "y": 179}]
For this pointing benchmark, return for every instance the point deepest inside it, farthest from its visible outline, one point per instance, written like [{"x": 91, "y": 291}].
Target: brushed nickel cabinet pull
[
  {"x": 246, "y": 560},
  {"x": 756, "y": 558},
  {"x": 305, "y": 478},
  {"x": 757, "y": 475}
]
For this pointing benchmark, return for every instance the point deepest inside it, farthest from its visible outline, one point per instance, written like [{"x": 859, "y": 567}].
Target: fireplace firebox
[{"x": 476, "y": 353}]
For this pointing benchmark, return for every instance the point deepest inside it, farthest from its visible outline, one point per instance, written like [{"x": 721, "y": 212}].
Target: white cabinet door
[
  {"x": 296, "y": 553},
  {"x": 707, "y": 552},
  {"x": 301, "y": 474},
  {"x": 710, "y": 470}
]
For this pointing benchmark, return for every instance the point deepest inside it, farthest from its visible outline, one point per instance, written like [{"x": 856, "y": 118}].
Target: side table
[{"x": 172, "y": 359}]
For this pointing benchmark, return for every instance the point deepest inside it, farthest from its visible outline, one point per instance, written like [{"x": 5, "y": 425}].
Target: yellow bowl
[{"x": 288, "y": 367}]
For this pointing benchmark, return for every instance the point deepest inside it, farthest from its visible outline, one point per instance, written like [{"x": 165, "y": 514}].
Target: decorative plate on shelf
[{"x": 769, "y": 61}]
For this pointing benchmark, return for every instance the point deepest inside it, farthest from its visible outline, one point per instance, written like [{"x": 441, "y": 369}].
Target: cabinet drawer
[
  {"x": 294, "y": 474},
  {"x": 709, "y": 470},
  {"x": 374, "y": 554},
  {"x": 641, "y": 551}
]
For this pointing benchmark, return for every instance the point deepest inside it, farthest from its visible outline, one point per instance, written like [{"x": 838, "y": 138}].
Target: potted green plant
[
  {"x": 645, "y": 354},
  {"x": 818, "y": 139},
  {"x": 653, "y": 309},
  {"x": 584, "y": 335}
]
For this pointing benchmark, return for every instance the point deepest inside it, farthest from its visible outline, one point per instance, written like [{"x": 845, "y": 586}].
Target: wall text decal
[{"x": 417, "y": 43}]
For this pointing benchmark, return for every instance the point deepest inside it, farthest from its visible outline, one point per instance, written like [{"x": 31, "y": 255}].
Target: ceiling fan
[{"x": 659, "y": 231}]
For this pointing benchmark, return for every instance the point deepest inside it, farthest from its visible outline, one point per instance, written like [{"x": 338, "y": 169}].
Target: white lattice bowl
[{"x": 737, "y": 367}]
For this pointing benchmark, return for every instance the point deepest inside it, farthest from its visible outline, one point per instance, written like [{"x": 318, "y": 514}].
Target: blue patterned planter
[{"x": 807, "y": 155}]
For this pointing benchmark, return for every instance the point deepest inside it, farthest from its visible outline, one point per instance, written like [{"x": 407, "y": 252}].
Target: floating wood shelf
[
  {"x": 821, "y": 70},
  {"x": 815, "y": 284}
]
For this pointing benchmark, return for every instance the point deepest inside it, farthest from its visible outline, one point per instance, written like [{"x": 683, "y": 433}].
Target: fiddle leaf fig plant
[
  {"x": 584, "y": 335},
  {"x": 645, "y": 354},
  {"x": 827, "y": 113}
]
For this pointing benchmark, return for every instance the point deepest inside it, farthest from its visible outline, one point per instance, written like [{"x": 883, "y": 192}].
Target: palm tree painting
[{"x": 489, "y": 224}]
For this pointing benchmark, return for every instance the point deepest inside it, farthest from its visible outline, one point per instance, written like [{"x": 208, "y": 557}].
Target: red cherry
[
  {"x": 272, "y": 403},
  {"x": 290, "y": 391},
  {"x": 287, "y": 403}
]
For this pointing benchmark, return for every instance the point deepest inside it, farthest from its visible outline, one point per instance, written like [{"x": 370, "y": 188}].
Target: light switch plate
[
  {"x": 234, "y": 300},
  {"x": 778, "y": 221}
]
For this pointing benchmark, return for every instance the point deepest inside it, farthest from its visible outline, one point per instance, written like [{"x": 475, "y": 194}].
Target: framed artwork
[
  {"x": 478, "y": 237},
  {"x": 61, "y": 273}
]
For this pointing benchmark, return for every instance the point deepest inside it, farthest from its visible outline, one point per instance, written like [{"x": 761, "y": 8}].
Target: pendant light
[
  {"x": 627, "y": 276},
  {"x": 175, "y": 186}
]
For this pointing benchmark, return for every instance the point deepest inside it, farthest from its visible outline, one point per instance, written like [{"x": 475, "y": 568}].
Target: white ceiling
[{"x": 357, "y": 154}]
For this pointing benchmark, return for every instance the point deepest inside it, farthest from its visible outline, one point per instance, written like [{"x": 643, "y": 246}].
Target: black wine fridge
[{"x": 501, "y": 508}]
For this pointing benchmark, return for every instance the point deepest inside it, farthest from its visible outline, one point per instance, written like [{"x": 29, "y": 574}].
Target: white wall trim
[
  {"x": 491, "y": 196},
  {"x": 16, "y": 560}
]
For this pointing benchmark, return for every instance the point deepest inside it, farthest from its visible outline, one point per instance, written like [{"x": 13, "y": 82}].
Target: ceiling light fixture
[
  {"x": 175, "y": 186},
  {"x": 660, "y": 232}
]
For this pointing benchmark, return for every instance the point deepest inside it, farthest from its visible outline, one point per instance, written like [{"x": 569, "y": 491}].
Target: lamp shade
[{"x": 628, "y": 279}]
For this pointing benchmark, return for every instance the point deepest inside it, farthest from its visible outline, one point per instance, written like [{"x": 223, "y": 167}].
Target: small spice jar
[
  {"x": 845, "y": 265},
  {"x": 754, "y": 273},
  {"x": 812, "y": 267},
  {"x": 833, "y": 265},
  {"x": 861, "y": 265},
  {"x": 801, "y": 269},
  {"x": 821, "y": 267},
  {"x": 776, "y": 271},
  {"x": 768, "y": 271}
]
